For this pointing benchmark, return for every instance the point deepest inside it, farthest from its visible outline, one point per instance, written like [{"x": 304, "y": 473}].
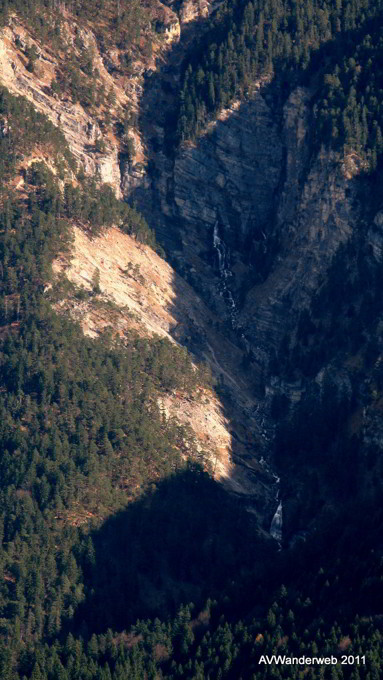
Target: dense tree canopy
[{"x": 337, "y": 45}]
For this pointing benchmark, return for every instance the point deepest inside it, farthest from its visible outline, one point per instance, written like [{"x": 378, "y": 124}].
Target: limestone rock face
[
  {"x": 193, "y": 9},
  {"x": 323, "y": 218},
  {"x": 253, "y": 175},
  {"x": 231, "y": 175},
  {"x": 257, "y": 180},
  {"x": 295, "y": 136},
  {"x": 79, "y": 128}
]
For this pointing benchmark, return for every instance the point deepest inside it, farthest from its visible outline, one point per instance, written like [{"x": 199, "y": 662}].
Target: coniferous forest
[
  {"x": 120, "y": 557},
  {"x": 340, "y": 42}
]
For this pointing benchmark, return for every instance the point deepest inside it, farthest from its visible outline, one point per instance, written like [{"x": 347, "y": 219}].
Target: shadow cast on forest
[{"x": 185, "y": 541}]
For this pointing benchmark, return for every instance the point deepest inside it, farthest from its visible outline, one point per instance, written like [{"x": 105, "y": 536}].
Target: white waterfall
[
  {"x": 277, "y": 521},
  {"x": 223, "y": 259},
  {"x": 220, "y": 248},
  {"x": 276, "y": 524},
  {"x": 223, "y": 255}
]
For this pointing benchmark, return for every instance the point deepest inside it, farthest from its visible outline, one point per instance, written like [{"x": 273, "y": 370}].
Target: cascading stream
[
  {"x": 223, "y": 259},
  {"x": 277, "y": 523},
  {"x": 276, "y": 526},
  {"x": 223, "y": 256}
]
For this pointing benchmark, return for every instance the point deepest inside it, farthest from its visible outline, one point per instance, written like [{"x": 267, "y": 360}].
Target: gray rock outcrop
[{"x": 273, "y": 201}]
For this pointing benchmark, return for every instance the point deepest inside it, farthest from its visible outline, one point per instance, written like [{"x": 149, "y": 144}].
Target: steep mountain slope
[
  {"x": 252, "y": 212},
  {"x": 139, "y": 290},
  {"x": 263, "y": 188}
]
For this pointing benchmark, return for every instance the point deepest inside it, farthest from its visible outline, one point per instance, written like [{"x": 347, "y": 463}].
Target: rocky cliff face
[
  {"x": 230, "y": 178},
  {"x": 232, "y": 175},
  {"x": 81, "y": 129},
  {"x": 281, "y": 213},
  {"x": 310, "y": 233}
]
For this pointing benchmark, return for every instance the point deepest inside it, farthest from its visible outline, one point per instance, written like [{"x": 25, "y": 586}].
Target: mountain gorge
[
  {"x": 285, "y": 209},
  {"x": 190, "y": 338}
]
